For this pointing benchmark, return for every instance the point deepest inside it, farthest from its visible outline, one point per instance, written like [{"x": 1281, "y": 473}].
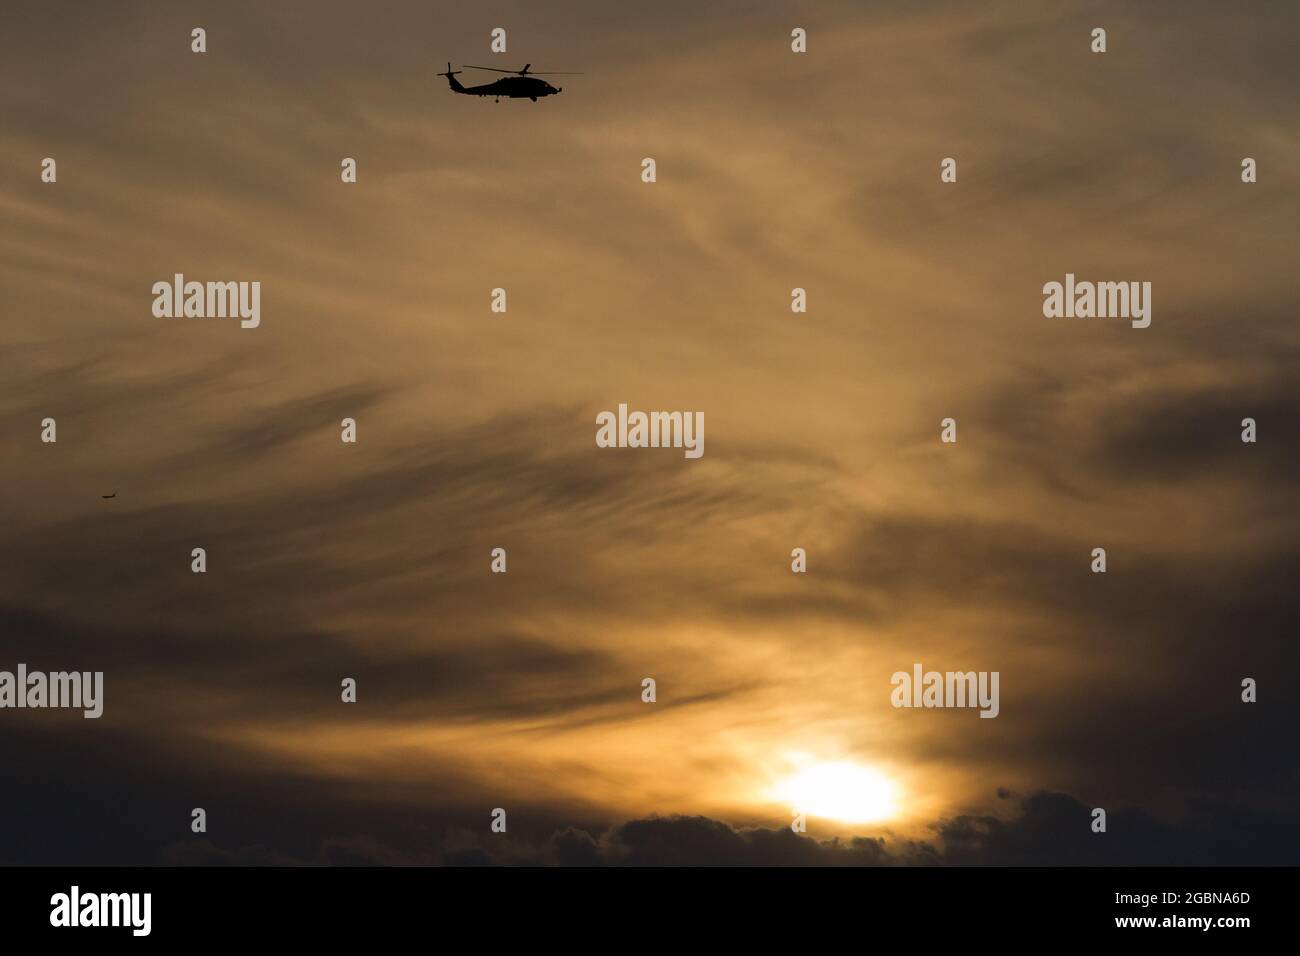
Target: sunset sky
[{"x": 476, "y": 430}]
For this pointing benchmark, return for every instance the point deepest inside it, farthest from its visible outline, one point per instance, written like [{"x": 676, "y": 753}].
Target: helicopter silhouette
[{"x": 516, "y": 85}]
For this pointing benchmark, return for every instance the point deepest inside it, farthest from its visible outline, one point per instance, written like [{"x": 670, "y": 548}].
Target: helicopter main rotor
[{"x": 524, "y": 72}]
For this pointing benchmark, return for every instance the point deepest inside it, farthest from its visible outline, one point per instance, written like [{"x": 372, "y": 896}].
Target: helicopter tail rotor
[{"x": 451, "y": 79}]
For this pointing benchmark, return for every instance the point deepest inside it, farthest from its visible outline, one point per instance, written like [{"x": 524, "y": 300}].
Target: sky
[{"x": 523, "y": 690}]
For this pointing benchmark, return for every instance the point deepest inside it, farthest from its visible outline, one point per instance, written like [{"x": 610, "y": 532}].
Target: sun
[{"x": 841, "y": 791}]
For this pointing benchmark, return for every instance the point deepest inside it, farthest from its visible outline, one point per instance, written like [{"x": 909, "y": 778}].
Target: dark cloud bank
[{"x": 1047, "y": 829}]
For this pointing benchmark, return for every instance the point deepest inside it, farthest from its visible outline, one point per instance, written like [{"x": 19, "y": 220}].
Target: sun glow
[{"x": 840, "y": 791}]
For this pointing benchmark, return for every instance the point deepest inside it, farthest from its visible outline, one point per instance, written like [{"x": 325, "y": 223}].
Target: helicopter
[{"x": 517, "y": 84}]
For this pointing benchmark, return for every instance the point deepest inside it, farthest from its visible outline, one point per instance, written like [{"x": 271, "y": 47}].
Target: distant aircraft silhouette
[{"x": 517, "y": 85}]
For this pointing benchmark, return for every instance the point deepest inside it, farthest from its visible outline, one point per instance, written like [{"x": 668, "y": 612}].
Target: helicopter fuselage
[{"x": 515, "y": 87}]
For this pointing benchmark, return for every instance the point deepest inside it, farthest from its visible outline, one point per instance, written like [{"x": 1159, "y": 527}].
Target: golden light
[{"x": 841, "y": 791}]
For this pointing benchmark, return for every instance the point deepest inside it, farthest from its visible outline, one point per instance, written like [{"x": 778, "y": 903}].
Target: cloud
[{"x": 1045, "y": 829}]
